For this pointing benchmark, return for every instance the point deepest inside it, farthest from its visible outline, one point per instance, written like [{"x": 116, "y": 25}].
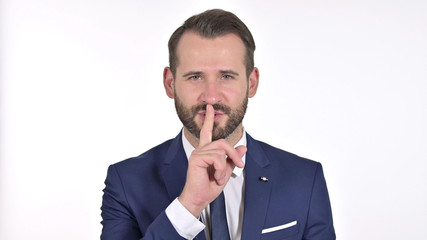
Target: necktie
[{"x": 219, "y": 228}]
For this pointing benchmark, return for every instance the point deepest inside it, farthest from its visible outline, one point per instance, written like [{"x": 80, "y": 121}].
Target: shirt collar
[{"x": 188, "y": 148}]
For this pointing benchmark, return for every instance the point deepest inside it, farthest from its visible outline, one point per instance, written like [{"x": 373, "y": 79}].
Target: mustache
[{"x": 217, "y": 107}]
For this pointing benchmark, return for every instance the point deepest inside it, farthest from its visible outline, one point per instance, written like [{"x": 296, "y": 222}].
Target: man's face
[{"x": 211, "y": 71}]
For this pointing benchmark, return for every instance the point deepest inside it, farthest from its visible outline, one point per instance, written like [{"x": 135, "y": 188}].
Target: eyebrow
[
  {"x": 191, "y": 73},
  {"x": 231, "y": 72}
]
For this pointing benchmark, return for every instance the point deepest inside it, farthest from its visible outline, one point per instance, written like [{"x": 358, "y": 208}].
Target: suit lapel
[
  {"x": 257, "y": 191},
  {"x": 175, "y": 168}
]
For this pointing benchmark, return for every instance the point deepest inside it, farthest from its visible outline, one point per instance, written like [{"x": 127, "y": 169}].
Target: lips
[{"x": 217, "y": 116}]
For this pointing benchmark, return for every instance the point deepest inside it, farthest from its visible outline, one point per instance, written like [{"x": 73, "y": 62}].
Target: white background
[{"x": 342, "y": 82}]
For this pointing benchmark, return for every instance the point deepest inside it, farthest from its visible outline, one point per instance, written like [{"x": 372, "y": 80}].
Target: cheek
[
  {"x": 187, "y": 95},
  {"x": 235, "y": 95}
]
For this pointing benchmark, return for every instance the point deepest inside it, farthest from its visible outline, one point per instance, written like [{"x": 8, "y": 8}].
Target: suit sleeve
[
  {"x": 120, "y": 223},
  {"x": 319, "y": 222}
]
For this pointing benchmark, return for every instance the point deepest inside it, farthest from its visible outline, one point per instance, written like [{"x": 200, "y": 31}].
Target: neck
[{"x": 232, "y": 139}]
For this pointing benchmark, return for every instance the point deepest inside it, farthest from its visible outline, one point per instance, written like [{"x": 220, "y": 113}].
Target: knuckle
[
  {"x": 222, "y": 152},
  {"x": 220, "y": 168}
]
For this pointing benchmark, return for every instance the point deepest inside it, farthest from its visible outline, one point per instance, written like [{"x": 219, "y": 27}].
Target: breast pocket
[{"x": 286, "y": 231}]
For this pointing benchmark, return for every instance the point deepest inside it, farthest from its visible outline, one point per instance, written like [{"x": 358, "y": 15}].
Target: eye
[
  {"x": 195, "y": 77},
  {"x": 227, "y": 77}
]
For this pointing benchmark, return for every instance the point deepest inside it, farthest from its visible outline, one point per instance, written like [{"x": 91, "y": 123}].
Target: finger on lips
[{"x": 207, "y": 127}]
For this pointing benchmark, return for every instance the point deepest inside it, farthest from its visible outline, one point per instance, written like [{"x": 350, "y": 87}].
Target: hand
[{"x": 209, "y": 168}]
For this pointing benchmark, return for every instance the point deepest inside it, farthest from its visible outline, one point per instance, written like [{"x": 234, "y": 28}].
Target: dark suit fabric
[{"x": 139, "y": 189}]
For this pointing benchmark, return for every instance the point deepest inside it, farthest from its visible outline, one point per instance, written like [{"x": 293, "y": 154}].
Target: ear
[
  {"x": 253, "y": 82},
  {"x": 168, "y": 82}
]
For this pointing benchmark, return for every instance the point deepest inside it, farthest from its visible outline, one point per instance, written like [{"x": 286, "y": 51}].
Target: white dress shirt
[{"x": 188, "y": 226}]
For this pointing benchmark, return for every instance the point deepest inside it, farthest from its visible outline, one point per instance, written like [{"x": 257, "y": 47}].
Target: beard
[{"x": 188, "y": 116}]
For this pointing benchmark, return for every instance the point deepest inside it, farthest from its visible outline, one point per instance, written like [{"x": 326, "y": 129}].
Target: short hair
[{"x": 210, "y": 24}]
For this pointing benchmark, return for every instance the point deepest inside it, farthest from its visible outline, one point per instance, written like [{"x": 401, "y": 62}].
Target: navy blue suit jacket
[{"x": 139, "y": 189}]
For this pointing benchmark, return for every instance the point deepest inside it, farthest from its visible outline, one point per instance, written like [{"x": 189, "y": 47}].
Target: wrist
[{"x": 194, "y": 209}]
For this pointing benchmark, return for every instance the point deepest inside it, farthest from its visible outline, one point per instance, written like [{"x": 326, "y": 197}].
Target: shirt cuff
[{"x": 183, "y": 221}]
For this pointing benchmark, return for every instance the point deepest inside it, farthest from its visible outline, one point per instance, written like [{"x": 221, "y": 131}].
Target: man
[{"x": 169, "y": 191}]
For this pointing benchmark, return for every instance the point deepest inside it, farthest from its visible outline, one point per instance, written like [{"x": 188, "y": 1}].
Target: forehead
[{"x": 227, "y": 49}]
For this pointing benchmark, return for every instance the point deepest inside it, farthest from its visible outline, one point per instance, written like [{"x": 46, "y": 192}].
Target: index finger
[{"x": 207, "y": 127}]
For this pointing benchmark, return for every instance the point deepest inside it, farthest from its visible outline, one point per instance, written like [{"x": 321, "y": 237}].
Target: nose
[{"x": 211, "y": 92}]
